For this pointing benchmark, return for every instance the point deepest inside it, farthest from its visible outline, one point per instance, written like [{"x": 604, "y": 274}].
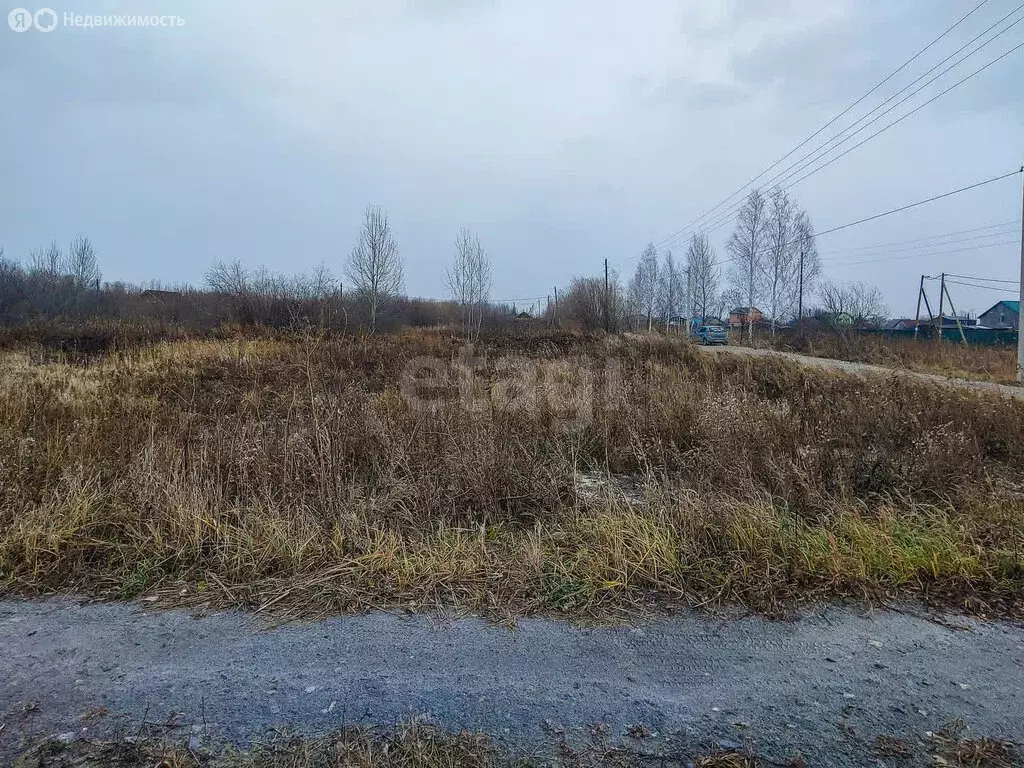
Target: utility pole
[
  {"x": 942, "y": 298},
  {"x": 689, "y": 299},
  {"x": 800, "y": 303},
  {"x": 959, "y": 326},
  {"x": 917, "y": 316},
  {"x": 671, "y": 298},
  {"x": 607, "y": 319},
  {"x": 1020, "y": 330},
  {"x": 556, "y": 306}
]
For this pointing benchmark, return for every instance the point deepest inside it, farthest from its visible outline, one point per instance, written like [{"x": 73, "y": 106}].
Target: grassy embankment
[{"x": 419, "y": 746}]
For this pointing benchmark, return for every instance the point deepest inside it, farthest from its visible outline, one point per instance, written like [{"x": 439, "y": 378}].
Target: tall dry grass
[
  {"x": 296, "y": 476},
  {"x": 946, "y": 358}
]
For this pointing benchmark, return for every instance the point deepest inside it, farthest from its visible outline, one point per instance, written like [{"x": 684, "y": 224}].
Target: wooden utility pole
[
  {"x": 800, "y": 303},
  {"x": 607, "y": 319},
  {"x": 556, "y": 305},
  {"x": 959, "y": 326},
  {"x": 917, "y": 316},
  {"x": 942, "y": 299},
  {"x": 1020, "y": 330}
]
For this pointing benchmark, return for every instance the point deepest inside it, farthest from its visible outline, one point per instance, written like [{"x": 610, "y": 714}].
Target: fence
[{"x": 981, "y": 337}]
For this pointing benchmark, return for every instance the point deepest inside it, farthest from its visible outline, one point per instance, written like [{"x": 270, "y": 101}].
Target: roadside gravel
[{"x": 826, "y": 684}]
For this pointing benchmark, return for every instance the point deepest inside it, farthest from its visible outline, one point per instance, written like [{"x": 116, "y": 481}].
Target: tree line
[
  {"x": 54, "y": 284},
  {"x": 773, "y": 263}
]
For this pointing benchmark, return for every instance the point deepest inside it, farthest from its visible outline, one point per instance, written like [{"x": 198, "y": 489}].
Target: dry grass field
[
  {"x": 984, "y": 363},
  {"x": 572, "y": 474}
]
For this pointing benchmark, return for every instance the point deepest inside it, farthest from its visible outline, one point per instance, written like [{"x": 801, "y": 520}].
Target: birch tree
[
  {"x": 375, "y": 267},
  {"x": 83, "y": 266},
  {"x": 746, "y": 248},
  {"x": 643, "y": 288},
  {"x": 807, "y": 249},
  {"x": 47, "y": 261},
  {"x": 469, "y": 279},
  {"x": 704, "y": 275},
  {"x": 781, "y": 259},
  {"x": 671, "y": 288}
]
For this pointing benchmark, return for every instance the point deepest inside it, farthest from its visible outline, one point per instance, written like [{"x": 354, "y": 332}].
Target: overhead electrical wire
[
  {"x": 975, "y": 73},
  {"x": 832, "y": 121},
  {"x": 788, "y": 172},
  {"x": 784, "y": 177},
  {"x": 932, "y": 237},
  {"x": 983, "y": 287},
  {"x": 867, "y": 251},
  {"x": 881, "y": 259},
  {"x": 901, "y": 208},
  {"x": 983, "y": 279},
  {"x": 920, "y": 202}
]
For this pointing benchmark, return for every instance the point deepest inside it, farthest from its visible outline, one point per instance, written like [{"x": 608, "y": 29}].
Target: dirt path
[
  {"x": 860, "y": 368},
  {"x": 827, "y": 684}
]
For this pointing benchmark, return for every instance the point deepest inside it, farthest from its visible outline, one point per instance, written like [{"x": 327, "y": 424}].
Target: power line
[
  {"x": 816, "y": 154},
  {"x": 921, "y": 202},
  {"x": 975, "y": 73},
  {"x": 919, "y": 244},
  {"x": 935, "y": 237},
  {"x": 927, "y": 255},
  {"x": 985, "y": 279},
  {"x": 784, "y": 176},
  {"x": 984, "y": 287},
  {"x": 902, "y": 208},
  {"x": 828, "y": 124}
]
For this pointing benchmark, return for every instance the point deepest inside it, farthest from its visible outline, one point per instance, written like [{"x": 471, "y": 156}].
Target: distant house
[
  {"x": 158, "y": 296},
  {"x": 900, "y": 324},
  {"x": 1005, "y": 314},
  {"x": 743, "y": 316},
  {"x": 949, "y": 322}
]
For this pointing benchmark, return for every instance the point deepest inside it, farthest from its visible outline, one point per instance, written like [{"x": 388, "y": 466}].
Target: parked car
[{"x": 711, "y": 334}]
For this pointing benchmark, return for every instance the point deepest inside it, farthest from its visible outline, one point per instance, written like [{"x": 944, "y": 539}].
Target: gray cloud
[{"x": 564, "y": 132}]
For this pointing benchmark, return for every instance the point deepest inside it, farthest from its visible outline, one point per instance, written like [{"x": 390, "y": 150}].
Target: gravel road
[
  {"x": 867, "y": 368},
  {"x": 826, "y": 684}
]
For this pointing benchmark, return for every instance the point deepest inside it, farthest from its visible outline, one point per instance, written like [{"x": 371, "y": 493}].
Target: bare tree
[
  {"x": 671, "y": 289},
  {"x": 643, "y": 288},
  {"x": 582, "y": 304},
  {"x": 731, "y": 297},
  {"x": 82, "y": 264},
  {"x": 790, "y": 239},
  {"x": 806, "y": 246},
  {"x": 46, "y": 261},
  {"x": 856, "y": 304},
  {"x": 322, "y": 284},
  {"x": 746, "y": 247},
  {"x": 469, "y": 279},
  {"x": 704, "y": 275},
  {"x": 781, "y": 263},
  {"x": 230, "y": 278},
  {"x": 375, "y": 267}
]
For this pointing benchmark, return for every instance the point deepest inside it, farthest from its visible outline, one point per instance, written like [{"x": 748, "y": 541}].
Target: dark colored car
[{"x": 711, "y": 334}]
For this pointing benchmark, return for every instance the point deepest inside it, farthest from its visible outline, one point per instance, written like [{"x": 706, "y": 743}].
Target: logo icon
[
  {"x": 45, "y": 19},
  {"x": 20, "y": 19}
]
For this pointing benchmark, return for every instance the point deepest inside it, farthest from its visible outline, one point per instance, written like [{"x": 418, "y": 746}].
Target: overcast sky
[{"x": 563, "y": 131}]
